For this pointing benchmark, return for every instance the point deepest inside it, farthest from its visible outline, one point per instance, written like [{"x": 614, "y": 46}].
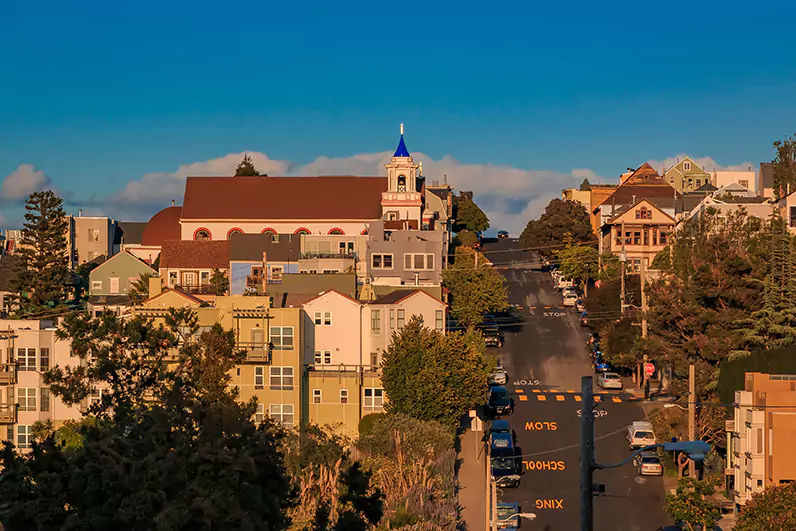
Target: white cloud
[
  {"x": 585, "y": 173},
  {"x": 22, "y": 182}
]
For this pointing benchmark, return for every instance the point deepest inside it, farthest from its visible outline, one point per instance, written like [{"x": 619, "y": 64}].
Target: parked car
[
  {"x": 648, "y": 464},
  {"x": 505, "y": 466},
  {"x": 508, "y": 516},
  {"x": 609, "y": 380},
  {"x": 493, "y": 337},
  {"x": 599, "y": 364},
  {"x": 501, "y": 426},
  {"x": 498, "y": 377},
  {"x": 583, "y": 319},
  {"x": 570, "y": 299},
  {"x": 562, "y": 283},
  {"x": 640, "y": 434},
  {"x": 500, "y": 403},
  {"x": 503, "y": 234}
]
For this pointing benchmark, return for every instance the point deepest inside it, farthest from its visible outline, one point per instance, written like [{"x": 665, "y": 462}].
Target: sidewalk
[{"x": 471, "y": 480}]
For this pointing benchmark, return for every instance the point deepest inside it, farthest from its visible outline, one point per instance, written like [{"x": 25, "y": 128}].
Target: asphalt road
[{"x": 546, "y": 358}]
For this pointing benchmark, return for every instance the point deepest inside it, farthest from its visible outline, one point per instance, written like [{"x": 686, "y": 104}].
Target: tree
[
  {"x": 580, "y": 263},
  {"x": 784, "y": 166},
  {"x": 139, "y": 290},
  {"x": 432, "y": 376},
  {"x": 468, "y": 215},
  {"x": 774, "y": 509},
  {"x": 476, "y": 287},
  {"x": 466, "y": 238},
  {"x": 168, "y": 432},
  {"x": 40, "y": 280},
  {"x": 246, "y": 167},
  {"x": 561, "y": 219},
  {"x": 219, "y": 281},
  {"x": 689, "y": 506}
]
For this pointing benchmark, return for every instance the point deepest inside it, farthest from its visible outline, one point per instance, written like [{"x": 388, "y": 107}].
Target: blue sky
[{"x": 100, "y": 95}]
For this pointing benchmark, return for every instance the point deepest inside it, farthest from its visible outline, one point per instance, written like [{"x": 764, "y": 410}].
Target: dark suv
[
  {"x": 500, "y": 403},
  {"x": 493, "y": 337}
]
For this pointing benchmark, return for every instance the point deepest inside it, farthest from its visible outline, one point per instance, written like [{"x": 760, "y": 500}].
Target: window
[
  {"x": 686, "y": 166},
  {"x": 792, "y": 216},
  {"x": 330, "y": 271},
  {"x": 45, "y": 399},
  {"x": 96, "y": 284},
  {"x": 744, "y": 183},
  {"x": 204, "y": 278},
  {"x": 401, "y": 319},
  {"x": 27, "y": 398},
  {"x": 374, "y": 359},
  {"x": 392, "y": 319},
  {"x": 439, "y": 316},
  {"x": 202, "y": 234},
  {"x": 646, "y": 234},
  {"x": 323, "y": 318},
  {"x": 402, "y": 183},
  {"x": 637, "y": 238},
  {"x": 274, "y": 238},
  {"x": 662, "y": 238},
  {"x": 281, "y": 378},
  {"x": 654, "y": 236},
  {"x": 259, "y": 377},
  {"x": 259, "y": 414},
  {"x": 26, "y": 359},
  {"x": 382, "y": 261},
  {"x": 172, "y": 278},
  {"x": 344, "y": 396},
  {"x": 316, "y": 396},
  {"x": 276, "y": 273},
  {"x": 375, "y": 321},
  {"x": 323, "y": 357},
  {"x": 282, "y": 337},
  {"x": 114, "y": 284},
  {"x": 418, "y": 262},
  {"x": 23, "y": 437},
  {"x": 95, "y": 397},
  {"x": 374, "y": 399},
  {"x": 93, "y": 235},
  {"x": 44, "y": 359},
  {"x": 643, "y": 213},
  {"x": 282, "y": 413}
]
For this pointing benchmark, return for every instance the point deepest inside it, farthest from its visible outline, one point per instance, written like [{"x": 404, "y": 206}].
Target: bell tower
[{"x": 403, "y": 199}]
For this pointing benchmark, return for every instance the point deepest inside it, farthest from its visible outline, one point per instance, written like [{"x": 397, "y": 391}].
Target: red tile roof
[
  {"x": 267, "y": 198},
  {"x": 625, "y": 193},
  {"x": 165, "y": 225},
  {"x": 200, "y": 254}
]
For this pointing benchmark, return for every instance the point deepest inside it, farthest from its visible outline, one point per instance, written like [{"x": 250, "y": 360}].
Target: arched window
[
  {"x": 268, "y": 230},
  {"x": 202, "y": 234},
  {"x": 402, "y": 183},
  {"x": 336, "y": 231},
  {"x": 302, "y": 230},
  {"x": 364, "y": 232},
  {"x": 234, "y": 231}
]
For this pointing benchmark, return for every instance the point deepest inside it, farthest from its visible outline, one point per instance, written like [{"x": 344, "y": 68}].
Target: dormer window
[
  {"x": 643, "y": 213},
  {"x": 402, "y": 183},
  {"x": 686, "y": 166}
]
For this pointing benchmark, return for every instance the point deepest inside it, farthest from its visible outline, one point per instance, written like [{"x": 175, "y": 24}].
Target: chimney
[
  {"x": 172, "y": 202},
  {"x": 155, "y": 287},
  {"x": 80, "y": 213}
]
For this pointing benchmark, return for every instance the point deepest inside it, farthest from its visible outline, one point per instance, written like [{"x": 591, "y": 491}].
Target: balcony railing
[
  {"x": 8, "y": 413},
  {"x": 8, "y": 374},
  {"x": 203, "y": 289},
  {"x": 307, "y": 256},
  {"x": 254, "y": 280},
  {"x": 256, "y": 352}
]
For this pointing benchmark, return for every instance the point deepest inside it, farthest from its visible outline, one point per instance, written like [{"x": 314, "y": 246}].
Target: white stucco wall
[{"x": 220, "y": 229}]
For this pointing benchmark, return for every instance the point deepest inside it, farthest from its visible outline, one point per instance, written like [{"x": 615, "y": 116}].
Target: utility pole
[
  {"x": 691, "y": 416},
  {"x": 586, "y": 454},
  {"x": 643, "y": 378},
  {"x": 622, "y": 260}
]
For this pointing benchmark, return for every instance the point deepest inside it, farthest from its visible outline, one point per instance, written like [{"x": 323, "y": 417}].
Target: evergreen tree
[
  {"x": 562, "y": 220},
  {"x": 784, "y": 166},
  {"x": 40, "y": 280},
  {"x": 219, "y": 281},
  {"x": 246, "y": 167}
]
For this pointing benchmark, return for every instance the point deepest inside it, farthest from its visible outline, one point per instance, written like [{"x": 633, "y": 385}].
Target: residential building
[
  {"x": 162, "y": 227},
  {"x": 345, "y": 341},
  {"x": 639, "y": 230},
  {"x": 727, "y": 204},
  {"x": 580, "y": 195},
  {"x": 271, "y": 337},
  {"x": 27, "y": 349},
  {"x": 598, "y": 193},
  {"x": 297, "y": 288},
  {"x": 765, "y": 180},
  {"x": 761, "y": 435},
  {"x": 334, "y": 253},
  {"x": 90, "y": 238},
  {"x": 786, "y": 206},
  {"x": 189, "y": 265},
  {"x": 256, "y": 260},
  {"x": 686, "y": 175},
  {"x": 9, "y": 241},
  {"x": 747, "y": 179},
  {"x": 110, "y": 282},
  {"x": 8, "y": 264}
]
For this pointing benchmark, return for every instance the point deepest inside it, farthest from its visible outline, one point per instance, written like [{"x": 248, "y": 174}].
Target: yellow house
[
  {"x": 271, "y": 337},
  {"x": 640, "y": 231}
]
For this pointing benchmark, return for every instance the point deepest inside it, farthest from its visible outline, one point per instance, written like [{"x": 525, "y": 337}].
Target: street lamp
[{"x": 669, "y": 406}]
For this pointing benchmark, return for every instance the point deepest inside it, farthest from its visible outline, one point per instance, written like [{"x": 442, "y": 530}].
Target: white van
[
  {"x": 562, "y": 283},
  {"x": 640, "y": 434},
  {"x": 570, "y": 299}
]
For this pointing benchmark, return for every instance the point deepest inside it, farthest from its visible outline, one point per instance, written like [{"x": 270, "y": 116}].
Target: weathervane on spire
[{"x": 402, "y": 128}]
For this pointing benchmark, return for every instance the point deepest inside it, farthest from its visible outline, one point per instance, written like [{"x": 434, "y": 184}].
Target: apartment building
[
  {"x": 761, "y": 434},
  {"x": 28, "y": 348},
  {"x": 345, "y": 342},
  {"x": 90, "y": 238}
]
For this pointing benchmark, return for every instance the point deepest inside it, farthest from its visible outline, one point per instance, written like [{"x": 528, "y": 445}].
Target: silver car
[
  {"x": 609, "y": 380},
  {"x": 499, "y": 376}
]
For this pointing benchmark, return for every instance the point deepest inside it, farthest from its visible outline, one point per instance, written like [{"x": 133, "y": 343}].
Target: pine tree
[
  {"x": 246, "y": 167},
  {"x": 40, "y": 281}
]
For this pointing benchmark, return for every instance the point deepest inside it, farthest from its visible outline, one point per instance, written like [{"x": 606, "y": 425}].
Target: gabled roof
[
  {"x": 331, "y": 292},
  {"x": 283, "y": 198},
  {"x": 621, "y": 212},
  {"x": 201, "y": 254},
  {"x": 625, "y": 194},
  {"x": 250, "y": 247},
  {"x": 401, "y": 295},
  {"x": 707, "y": 187},
  {"x": 188, "y": 297},
  {"x": 126, "y": 256}
]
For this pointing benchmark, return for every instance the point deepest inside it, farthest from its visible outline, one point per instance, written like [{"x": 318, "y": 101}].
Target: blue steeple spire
[{"x": 402, "y": 151}]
